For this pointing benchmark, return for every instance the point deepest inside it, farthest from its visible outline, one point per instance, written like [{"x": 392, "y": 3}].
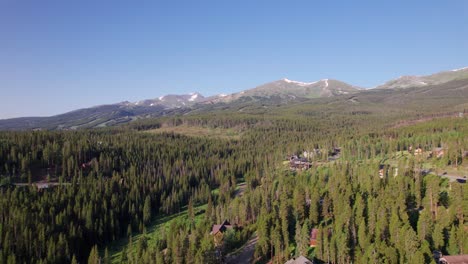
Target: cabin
[
  {"x": 418, "y": 152},
  {"x": 217, "y": 231},
  {"x": 296, "y": 163},
  {"x": 438, "y": 152},
  {"x": 299, "y": 260},
  {"x": 313, "y": 237}
]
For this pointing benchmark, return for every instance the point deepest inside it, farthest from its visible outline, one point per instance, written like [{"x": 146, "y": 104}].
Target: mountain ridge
[
  {"x": 279, "y": 92},
  {"x": 424, "y": 80}
]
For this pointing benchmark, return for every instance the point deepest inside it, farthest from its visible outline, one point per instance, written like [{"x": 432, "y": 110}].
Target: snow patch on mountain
[
  {"x": 326, "y": 82},
  {"x": 298, "y": 83},
  {"x": 461, "y": 69},
  {"x": 193, "y": 97}
]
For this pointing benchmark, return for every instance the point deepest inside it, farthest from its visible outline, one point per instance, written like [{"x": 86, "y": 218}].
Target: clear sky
[{"x": 57, "y": 56}]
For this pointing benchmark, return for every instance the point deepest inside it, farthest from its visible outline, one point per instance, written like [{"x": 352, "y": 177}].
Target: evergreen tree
[{"x": 147, "y": 210}]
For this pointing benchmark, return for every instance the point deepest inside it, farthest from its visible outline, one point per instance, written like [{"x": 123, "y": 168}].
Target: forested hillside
[{"x": 65, "y": 192}]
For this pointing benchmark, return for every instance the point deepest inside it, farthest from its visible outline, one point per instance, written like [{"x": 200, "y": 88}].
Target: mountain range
[{"x": 276, "y": 93}]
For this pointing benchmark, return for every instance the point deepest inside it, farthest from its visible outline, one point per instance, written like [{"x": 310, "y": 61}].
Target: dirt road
[{"x": 245, "y": 254}]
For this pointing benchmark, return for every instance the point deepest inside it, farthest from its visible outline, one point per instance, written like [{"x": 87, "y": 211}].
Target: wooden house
[
  {"x": 296, "y": 163},
  {"x": 455, "y": 259},
  {"x": 217, "y": 231},
  {"x": 438, "y": 152}
]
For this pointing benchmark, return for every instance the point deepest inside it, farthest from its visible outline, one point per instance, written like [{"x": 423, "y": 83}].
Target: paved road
[{"x": 245, "y": 256}]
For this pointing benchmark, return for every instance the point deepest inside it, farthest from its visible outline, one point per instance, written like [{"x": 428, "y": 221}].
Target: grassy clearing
[
  {"x": 152, "y": 232},
  {"x": 195, "y": 131}
]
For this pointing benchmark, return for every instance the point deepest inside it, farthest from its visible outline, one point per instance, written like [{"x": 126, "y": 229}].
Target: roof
[
  {"x": 456, "y": 259},
  {"x": 42, "y": 185},
  {"x": 220, "y": 228},
  {"x": 299, "y": 260}
]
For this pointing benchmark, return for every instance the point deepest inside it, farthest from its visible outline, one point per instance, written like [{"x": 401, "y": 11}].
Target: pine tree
[
  {"x": 191, "y": 213},
  {"x": 147, "y": 210},
  {"x": 74, "y": 261},
  {"x": 438, "y": 236},
  {"x": 453, "y": 248},
  {"x": 94, "y": 256},
  {"x": 107, "y": 259}
]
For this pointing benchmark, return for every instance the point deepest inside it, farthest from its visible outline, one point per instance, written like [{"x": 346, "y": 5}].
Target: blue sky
[{"x": 57, "y": 56}]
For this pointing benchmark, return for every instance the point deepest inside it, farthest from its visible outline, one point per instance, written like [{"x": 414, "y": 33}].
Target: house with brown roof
[
  {"x": 217, "y": 231},
  {"x": 455, "y": 259},
  {"x": 296, "y": 163}
]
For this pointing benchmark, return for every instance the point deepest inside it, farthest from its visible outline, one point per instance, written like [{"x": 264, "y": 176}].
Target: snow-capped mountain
[
  {"x": 172, "y": 100},
  {"x": 289, "y": 89},
  {"x": 278, "y": 92},
  {"x": 420, "y": 81}
]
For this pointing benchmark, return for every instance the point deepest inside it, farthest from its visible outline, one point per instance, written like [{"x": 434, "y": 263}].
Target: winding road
[{"x": 245, "y": 254}]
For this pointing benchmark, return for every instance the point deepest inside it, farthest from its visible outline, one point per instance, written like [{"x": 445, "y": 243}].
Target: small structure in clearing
[
  {"x": 217, "y": 231},
  {"x": 438, "y": 152},
  {"x": 296, "y": 163}
]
